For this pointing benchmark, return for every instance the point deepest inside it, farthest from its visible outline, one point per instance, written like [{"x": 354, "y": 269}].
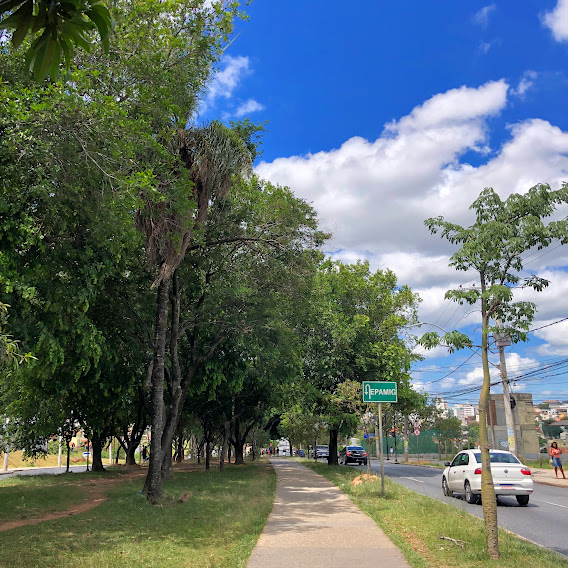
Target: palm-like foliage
[{"x": 211, "y": 157}]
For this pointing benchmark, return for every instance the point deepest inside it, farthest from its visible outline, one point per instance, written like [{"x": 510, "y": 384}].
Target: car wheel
[
  {"x": 470, "y": 497},
  {"x": 523, "y": 500},
  {"x": 445, "y": 487},
  {"x": 365, "y": 462}
]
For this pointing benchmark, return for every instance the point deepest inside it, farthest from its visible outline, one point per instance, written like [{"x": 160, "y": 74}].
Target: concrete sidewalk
[
  {"x": 546, "y": 477},
  {"x": 314, "y": 525}
]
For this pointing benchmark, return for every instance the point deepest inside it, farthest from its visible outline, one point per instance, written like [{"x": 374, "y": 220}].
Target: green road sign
[{"x": 379, "y": 391}]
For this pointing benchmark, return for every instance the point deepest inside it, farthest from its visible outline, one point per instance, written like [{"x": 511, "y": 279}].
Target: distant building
[
  {"x": 465, "y": 412},
  {"x": 443, "y": 407}
]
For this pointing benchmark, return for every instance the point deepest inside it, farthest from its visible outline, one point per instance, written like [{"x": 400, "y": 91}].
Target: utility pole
[{"x": 502, "y": 341}]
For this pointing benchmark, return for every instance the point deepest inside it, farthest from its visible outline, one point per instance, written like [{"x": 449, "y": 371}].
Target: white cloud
[
  {"x": 484, "y": 47},
  {"x": 557, "y": 21},
  {"x": 248, "y": 107},
  {"x": 556, "y": 337},
  {"x": 375, "y": 194},
  {"x": 481, "y": 17},
  {"x": 225, "y": 82},
  {"x": 526, "y": 82}
]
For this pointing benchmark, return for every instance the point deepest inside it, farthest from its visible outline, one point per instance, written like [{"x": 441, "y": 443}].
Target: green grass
[
  {"x": 415, "y": 523},
  {"x": 26, "y": 497},
  {"x": 217, "y": 526}
]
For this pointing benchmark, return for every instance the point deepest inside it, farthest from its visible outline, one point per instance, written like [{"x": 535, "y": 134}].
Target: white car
[{"x": 510, "y": 476}]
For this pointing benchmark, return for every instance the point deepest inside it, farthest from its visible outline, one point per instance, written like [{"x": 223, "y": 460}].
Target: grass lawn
[
  {"x": 415, "y": 523},
  {"x": 216, "y": 525},
  {"x": 25, "y": 497}
]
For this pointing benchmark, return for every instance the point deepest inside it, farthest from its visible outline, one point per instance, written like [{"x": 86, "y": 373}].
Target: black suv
[{"x": 353, "y": 454}]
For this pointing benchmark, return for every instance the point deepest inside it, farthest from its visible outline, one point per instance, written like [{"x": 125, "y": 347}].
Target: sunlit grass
[{"x": 217, "y": 525}]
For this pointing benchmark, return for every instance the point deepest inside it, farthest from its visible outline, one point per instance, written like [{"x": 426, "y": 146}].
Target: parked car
[
  {"x": 322, "y": 452},
  {"x": 353, "y": 454},
  {"x": 510, "y": 476}
]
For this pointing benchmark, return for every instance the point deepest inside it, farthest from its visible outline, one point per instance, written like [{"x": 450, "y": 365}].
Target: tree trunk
[
  {"x": 97, "y": 443},
  {"x": 207, "y": 454},
  {"x": 239, "y": 454},
  {"x": 117, "y": 455},
  {"x": 153, "y": 485},
  {"x": 68, "y": 455},
  {"x": 223, "y": 453},
  {"x": 333, "y": 435},
  {"x": 131, "y": 455},
  {"x": 488, "y": 498},
  {"x": 167, "y": 465},
  {"x": 179, "y": 452}
]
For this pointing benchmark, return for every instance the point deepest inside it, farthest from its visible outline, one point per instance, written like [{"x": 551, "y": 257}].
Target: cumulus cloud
[
  {"x": 557, "y": 21},
  {"x": 555, "y": 336},
  {"x": 481, "y": 17},
  {"x": 375, "y": 194}
]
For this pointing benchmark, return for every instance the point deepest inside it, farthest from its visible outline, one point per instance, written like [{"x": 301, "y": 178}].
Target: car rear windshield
[
  {"x": 355, "y": 448},
  {"x": 323, "y": 447},
  {"x": 497, "y": 457}
]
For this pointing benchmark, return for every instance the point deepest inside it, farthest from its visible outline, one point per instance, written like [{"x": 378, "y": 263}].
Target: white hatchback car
[{"x": 510, "y": 476}]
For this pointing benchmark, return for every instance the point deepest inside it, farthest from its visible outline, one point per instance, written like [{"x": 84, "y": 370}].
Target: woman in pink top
[{"x": 554, "y": 452}]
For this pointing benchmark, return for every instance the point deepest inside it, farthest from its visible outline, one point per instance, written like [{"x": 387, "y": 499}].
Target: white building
[{"x": 465, "y": 412}]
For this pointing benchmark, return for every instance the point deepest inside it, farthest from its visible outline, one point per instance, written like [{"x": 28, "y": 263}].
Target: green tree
[
  {"x": 63, "y": 26},
  {"x": 354, "y": 333},
  {"x": 550, "y": 430},
  {"x": 493, "y": 246}
]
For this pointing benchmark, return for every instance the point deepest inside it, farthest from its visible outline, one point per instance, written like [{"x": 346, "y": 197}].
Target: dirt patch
[
  {"x": 363, "y": 478},
  {"x": 94, "y": 493}
]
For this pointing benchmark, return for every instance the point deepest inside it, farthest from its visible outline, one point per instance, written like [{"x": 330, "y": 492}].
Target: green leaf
[
  {"x": 20, "y": 16},
  {"x": 20, "y": 33},
  {"x": 55, "y": 62}
]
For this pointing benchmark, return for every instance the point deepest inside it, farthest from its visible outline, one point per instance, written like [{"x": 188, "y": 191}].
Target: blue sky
[{"x": 383, "y": 114}]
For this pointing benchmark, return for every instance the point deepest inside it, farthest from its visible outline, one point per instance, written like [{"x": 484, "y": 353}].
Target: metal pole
[
  {"x": 377, "y": 441},
  {"x": 381, "y": 449}
]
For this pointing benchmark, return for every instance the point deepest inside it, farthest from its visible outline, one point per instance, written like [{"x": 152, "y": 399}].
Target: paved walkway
[
  {"x": 546, "y": 477},
  {"x": 314, "y": 525}
]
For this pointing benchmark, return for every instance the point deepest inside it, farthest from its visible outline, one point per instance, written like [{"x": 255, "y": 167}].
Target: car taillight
[
  {"x": 348, "y": 453},
  {"x": 477, "y": 471},
  {"x": 526, "y": 471},
  {"x": 365, "y": 454}
]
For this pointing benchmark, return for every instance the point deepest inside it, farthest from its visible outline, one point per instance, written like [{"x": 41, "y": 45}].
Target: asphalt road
[
  {"x": 42, "y": 471},
  {"x": 544, "y": 520}
]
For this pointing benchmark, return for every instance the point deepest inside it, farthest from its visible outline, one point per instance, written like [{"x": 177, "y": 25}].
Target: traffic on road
[{"x": 543, "y": 521}]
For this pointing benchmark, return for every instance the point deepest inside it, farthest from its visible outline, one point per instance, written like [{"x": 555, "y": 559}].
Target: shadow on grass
[{"x": 217, "y": 525}]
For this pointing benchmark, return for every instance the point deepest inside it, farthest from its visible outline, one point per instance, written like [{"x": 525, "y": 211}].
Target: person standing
[{"x": 554, "y": 452}]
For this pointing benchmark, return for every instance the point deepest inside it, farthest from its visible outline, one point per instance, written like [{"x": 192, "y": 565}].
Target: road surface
[
  {"x": 544, "y": 521},
  {"x": 41, "y": 471}
]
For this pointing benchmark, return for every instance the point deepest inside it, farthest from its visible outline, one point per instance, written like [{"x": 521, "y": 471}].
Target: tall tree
[
  {"x": 493, "y": 246},
  {"x": 354, "y": 333}
]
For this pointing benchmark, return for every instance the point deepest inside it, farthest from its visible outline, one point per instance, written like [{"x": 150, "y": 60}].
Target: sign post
[
  {"x": 381, "y": 450},
  {"x": 380, "y": 391}
]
